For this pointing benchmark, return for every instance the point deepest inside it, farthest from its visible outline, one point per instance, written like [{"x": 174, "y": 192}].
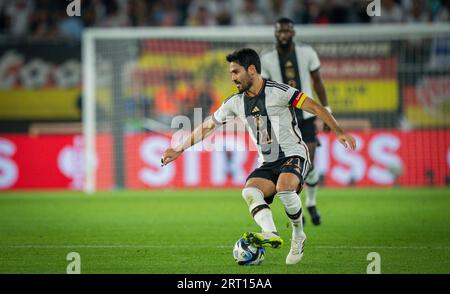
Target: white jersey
[
  {"x": 307, "y": 60},
  {"x": 269, "y": 119}
]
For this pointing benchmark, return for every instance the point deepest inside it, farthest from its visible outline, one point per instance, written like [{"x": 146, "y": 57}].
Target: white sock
[
  {"x": 311, "y": 187},
  {"x": 293, "y": 207},
  {"x": 264, "y": 219},
  {"x": 310, "y": 192},
  {"x": 261, "y": 212}
]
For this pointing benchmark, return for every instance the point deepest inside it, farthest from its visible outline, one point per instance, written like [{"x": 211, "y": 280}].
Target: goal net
[{"x": 389, "y": 85}]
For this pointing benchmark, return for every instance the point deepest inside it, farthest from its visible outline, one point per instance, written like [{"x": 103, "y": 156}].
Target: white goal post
[{"x": 100, "y": 44}]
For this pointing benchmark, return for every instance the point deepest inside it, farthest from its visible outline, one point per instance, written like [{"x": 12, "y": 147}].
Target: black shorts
[
  {"x": 271, "y": 170},
  {"x": 309, "y": 130}
]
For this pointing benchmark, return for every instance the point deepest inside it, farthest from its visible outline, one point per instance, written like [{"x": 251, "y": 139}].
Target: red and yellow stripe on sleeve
[{"x": 298, "y": 101}]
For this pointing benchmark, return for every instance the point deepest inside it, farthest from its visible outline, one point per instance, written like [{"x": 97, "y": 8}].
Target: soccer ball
[{"x": 246, "y": 254}]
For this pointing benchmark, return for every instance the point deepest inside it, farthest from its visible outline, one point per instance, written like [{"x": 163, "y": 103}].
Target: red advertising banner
[
  {"x": 50, "y": 162},
  {"x": 415, "y": 158},
  {"x": 213, "y": 166},
  {"x": 383, "y": 158}
]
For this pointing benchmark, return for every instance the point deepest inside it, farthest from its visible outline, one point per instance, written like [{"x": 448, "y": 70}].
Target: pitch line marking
[{"x": 119, "y": 246}]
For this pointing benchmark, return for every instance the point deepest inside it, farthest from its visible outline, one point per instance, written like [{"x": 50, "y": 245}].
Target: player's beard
[
  {"x": 245, "y": 85},
  {"x": 285, "y": 46}
]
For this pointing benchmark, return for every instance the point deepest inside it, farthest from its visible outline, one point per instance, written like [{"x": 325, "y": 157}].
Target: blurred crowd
[{"x": 48, "y": 18}]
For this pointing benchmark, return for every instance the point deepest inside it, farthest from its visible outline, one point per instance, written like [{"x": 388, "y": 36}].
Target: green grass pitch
[{"x": 193, "y": 231}]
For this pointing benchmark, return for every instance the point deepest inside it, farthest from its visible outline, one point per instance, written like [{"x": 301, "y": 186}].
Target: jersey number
[{"x": 262, "y": 135}]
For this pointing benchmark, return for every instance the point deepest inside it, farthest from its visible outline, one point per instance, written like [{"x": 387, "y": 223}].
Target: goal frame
[{"x": 250, "y": 34}]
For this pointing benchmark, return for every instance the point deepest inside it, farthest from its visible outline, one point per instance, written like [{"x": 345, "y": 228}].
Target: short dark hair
[
  {"x": 285, "y": 20},
  {"x": 245, "y": 57}
]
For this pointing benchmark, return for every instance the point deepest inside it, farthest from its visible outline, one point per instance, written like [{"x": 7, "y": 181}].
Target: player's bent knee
[
  {"x": 252, "y": 194},
  {"x": 287, "y": 186},
  {"x": 265, "y": 186},
  {"x": 254, "y": 199},
  {"x": 287, "y": 182},
  {"x": 281, "y": 189}
]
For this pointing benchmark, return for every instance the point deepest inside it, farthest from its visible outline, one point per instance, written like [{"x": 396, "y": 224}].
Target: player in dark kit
[
  {"x": 265, "y": 107},
  {"x": 295, "y": 65}
]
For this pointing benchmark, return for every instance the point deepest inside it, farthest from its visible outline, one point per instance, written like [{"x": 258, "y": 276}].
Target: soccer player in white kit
[
  {"x": 296, "y": 65},
  {"x": 266, "y": 109}
]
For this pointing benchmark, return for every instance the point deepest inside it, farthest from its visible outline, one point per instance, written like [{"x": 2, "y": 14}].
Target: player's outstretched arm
[
  {"x": 312, "y": 106},
  {"x": 200, "y": 133}
]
